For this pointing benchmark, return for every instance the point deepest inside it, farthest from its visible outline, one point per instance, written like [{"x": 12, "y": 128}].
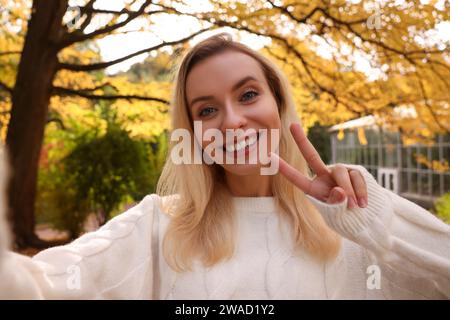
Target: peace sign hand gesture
[{"x": 330, "y": 185}]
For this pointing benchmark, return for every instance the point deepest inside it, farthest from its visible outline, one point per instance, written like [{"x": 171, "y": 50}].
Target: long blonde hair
[{"x": 202, "y": 218}]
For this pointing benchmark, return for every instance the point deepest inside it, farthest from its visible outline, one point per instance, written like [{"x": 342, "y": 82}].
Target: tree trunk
[{"x": 30, "y": 100}]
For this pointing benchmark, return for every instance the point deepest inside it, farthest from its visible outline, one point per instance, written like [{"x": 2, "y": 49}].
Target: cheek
[
  {"x": 268, "y": 115},
  {"x": 206, "y": 125}
]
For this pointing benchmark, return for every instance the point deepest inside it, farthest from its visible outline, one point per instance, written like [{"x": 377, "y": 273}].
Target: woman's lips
[{"x": 246, "y": 150}]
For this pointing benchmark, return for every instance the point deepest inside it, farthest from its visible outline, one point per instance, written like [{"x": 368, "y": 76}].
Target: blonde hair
[{"x": 202, "y": 218}]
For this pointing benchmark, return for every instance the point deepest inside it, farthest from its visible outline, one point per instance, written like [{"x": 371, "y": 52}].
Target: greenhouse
[{"x": 417, "y": 172}]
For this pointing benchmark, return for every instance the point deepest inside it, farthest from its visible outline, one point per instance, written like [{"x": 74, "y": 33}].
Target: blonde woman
[{"x": 226, "y": 231}]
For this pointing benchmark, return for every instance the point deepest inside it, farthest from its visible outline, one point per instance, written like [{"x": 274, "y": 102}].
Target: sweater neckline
[{"x": 255, "y": 204}]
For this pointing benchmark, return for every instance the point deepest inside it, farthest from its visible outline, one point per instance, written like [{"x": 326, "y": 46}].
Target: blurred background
[{"x": 85, "y": 89}]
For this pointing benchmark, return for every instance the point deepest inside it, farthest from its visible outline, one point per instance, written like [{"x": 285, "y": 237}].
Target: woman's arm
[
  {"x": 113, "y": 262},
  {"x": 408, "y": 240},
  {"x": 399, "y": 234}
]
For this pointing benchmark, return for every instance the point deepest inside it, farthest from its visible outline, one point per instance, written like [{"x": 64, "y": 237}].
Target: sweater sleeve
[
  {"x": 114, "y": 262},
  {"x": 408, "y": 240}
]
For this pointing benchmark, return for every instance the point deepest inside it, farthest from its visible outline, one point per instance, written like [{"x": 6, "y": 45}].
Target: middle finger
[
  {"x": 360, "y": 187},
  {"x": 342, "y": 178}
]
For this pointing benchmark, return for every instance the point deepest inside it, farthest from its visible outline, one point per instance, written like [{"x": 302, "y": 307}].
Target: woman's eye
[
  {"x": 206, "y": 111},
  {"x": 249, "y": 95}
]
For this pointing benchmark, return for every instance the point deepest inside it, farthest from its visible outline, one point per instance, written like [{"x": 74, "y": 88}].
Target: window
[{"x": 422, "y": 171}]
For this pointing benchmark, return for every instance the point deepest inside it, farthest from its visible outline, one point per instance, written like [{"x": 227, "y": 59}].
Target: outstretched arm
[{"x": 113, "y": 262}]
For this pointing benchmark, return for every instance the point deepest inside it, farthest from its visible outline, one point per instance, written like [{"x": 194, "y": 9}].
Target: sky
[
  {"x": 169, "y": 27},
  {"x": 165, "y": 27}
]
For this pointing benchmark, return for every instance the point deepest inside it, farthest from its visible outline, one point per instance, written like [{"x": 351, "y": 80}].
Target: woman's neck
[{"x": 249, "y": 186}]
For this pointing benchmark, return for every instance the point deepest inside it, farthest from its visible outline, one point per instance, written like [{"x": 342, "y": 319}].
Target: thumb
[{"x": 337, "y": 195}]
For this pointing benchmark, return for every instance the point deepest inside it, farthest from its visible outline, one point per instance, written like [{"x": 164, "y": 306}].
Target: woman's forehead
[{"x": 222, "y": 71}]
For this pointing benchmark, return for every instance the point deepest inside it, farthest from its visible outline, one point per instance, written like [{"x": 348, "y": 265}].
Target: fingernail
[
  {"x": 351, "y": 202},
  {"x": 362, "y": 202},
  {"x": 335, "y": 197}
]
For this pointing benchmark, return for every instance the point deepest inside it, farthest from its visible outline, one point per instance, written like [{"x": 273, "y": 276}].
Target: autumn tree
[
  {"x": 344, "y": 59},
  {"x": 46, "y": 40},
  {"x": 322, "y": 44}
]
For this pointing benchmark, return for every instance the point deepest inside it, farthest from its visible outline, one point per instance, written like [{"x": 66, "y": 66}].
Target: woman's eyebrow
[
  {"x": 236, "y": 86},
  {"x": 241, "y": 82}
]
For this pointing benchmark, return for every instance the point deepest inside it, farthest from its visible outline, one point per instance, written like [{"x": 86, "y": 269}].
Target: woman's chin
[{"x": 243, "y": 169}]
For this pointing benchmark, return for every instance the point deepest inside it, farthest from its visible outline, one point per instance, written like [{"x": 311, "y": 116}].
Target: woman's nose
[{"x": 233, "y": 118}]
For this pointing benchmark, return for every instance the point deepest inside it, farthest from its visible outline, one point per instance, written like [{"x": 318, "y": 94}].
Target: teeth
[
  {"x": 241, "y": 145},
  {"x": 251, "y": 140}
]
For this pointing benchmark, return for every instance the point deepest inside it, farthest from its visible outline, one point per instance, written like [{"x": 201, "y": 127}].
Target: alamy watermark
[
  {"x": 75, "y": 16},
  {"x": 374, "y": 277},
  {"x": 240, "y": 147},
  {"x": 73, "y": 281},
  {"x": 374, "y": 20}
]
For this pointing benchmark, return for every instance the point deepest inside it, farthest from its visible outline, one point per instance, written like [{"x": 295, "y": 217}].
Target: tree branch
[
  {"x": 102, "y": 65},
  {"x": 222, "y": 23},
  {"x": 87, "y": 9},
  {"x": 101, "y": 86},
  {"x": 78, "y": 36},
  {"x": 4, "y": 53},
  {"x": 121, "y": 12},
  {"x": 349, "y": 26},
  {"x": 429, "y": 107},
  {"x": 308, "y": 15},
  {"x": 60, "y": 91}
]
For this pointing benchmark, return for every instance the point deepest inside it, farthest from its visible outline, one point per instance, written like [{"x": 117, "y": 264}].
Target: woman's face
[{"x": 229, "y": 91}]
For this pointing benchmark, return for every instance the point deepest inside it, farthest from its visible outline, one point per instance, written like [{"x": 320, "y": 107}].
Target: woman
[{"x": 226, "y": 231}]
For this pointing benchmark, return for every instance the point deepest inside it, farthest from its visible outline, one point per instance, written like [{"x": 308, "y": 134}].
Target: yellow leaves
[
  {"x": 79, "y": 54},
  {"x": 426, "y": 132},
  {"x": 18, "y": 9},
  {"x": 435, "y": 165},
  {"x": 411, "y": 137},
  {"x": 143, "y": 118},
  {"x": 362, "y": 136},
  {"x": 74, "y": 80},
  {"x": 401, "y": 82},
  {"x": 9, "y": 62},
  {"x": 151, "y": 89},
  {"x": 5, "y": 106},
  {"x": 320, "y": 74},
  {"x": 341, "y": 134},
  {"x": 74, "y": 109}
]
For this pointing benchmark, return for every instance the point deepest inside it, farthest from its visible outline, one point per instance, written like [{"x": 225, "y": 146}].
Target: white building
[{"x": 399, "y": 168}]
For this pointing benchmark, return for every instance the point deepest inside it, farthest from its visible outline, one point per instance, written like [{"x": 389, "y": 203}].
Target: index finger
[
  {"x": 310, "y": 153},
  {"x": 292, "y": 174}
]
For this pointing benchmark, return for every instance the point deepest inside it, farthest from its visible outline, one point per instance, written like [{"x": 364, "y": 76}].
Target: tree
[
  {"x": 316, "y": 42},
  {"x": 45, "y": 39},
  {"x": 320, "y": 137}
]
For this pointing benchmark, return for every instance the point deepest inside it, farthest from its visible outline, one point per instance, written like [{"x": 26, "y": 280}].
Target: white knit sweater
[{"x": 392, "y": 249}]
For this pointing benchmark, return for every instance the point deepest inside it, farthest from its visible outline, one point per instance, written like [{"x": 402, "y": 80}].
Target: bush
[
  {"x": 320, "y": 137},
  {"x": 102, "y": 173},
  {"x": 442, "y": 206},
  {"x": 107, "y": 169},
  {"x": 58, "y": 205}
]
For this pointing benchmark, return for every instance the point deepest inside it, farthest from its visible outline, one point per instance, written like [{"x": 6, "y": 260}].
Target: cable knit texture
[{"x": 407, "y": 246}]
